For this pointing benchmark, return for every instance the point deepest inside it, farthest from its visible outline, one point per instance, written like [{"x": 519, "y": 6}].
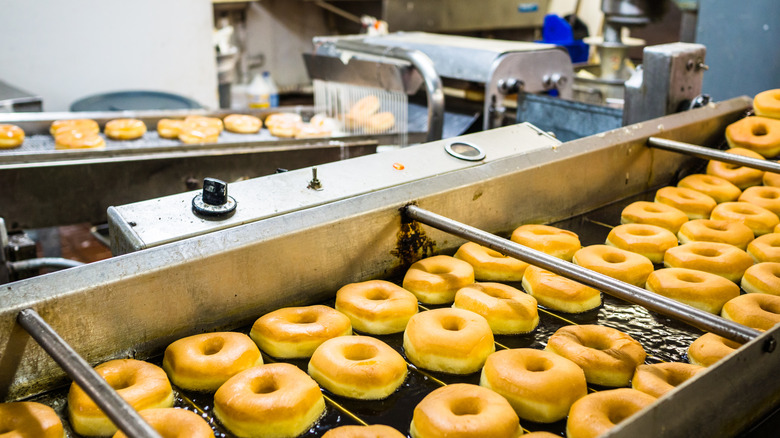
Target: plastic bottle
[
  {"x": 258, "y": 94},
  {"x": 272, "y": 90}
]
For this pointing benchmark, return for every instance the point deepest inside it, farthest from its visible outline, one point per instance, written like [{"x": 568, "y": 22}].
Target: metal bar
[
  {"x": 713, "y": 154},
  {"x": 657, "y": 303},
  {"x": 115, "y": 407},
  {"x": 338, "y": 11},
  {"x": 44, "y": 262}
]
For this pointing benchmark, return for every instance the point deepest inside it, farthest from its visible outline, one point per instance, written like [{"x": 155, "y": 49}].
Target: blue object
[
  {"x": 527, "y": 7},
  {"x": 133, "y": 101},
  {"x": 558, "y": 31}
]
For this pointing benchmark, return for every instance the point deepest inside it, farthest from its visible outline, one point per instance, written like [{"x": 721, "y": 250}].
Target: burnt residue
[{"x": 412, "y": 243}]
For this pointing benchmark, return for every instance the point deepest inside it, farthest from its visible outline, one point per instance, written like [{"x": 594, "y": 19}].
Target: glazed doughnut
[
  {"x": 758, "y": 134},
  {"x": 702, "y": 290},
  {"x": 125, "y": 129},
  {"x": 358, "y": 367},
  {"x": 762, "y": 278},
  {"x": 541, "y": 386},
  {"x": 141, "y": 384},
  {"x": 435, "y": 280},
  {"x": 175, "y": 423},
  {"x": 549, "y": 240},
  {"x": 709, "y": 230},
  {"x": 374, "y": 431},
  {"x": 715, "y": 187},
  {"x": 758, "y": 219},
  {"x": 380, "y": 122},
  {"x": 198, "y": 132},
  {"x": 448, "y": 340},
  {"x": 771, "y": 179},
  {"x": 710, "y": 348},
  {"x": 597, "y": 413},
  {"x": 204, "y": 362},
  {"x": 507, "y": 310},
  {"x": 607, "y": 356},
  {"x": 273, "y": 400},
  {"x": 559, "y": 293},
  {"x": 740, "y": 176},
  {"x": 650, "y": 241},
  {"x": 660, "y": 378},
  {"x": 759, "y": 311},
  {"x": 654, "y": 213},
  {"x": 295, "y": 332},
  {"x": 29, "y": 420},
  {"x": 78, "y": 140},
  {"x": 202, "y": 121},
  {"x": 243, "y": 124},
  {"x": 284, "y": 125},
  {"x": 11, "y": 136},
  {"x": 377, "y": 307},
  {"x": 695, "y": 205},
  {"x": 764, "y": 196},
  {"x": 767, "y": 103},
  {"x": 169, "y": 128},
  {"x": 307, "y": 130},
  {"x": 490, "y": 265},
  {"x": 765, "y": 248},
  {"x": 616, "y": 263},
  {"x": 87, "y": 126},
  {"x": 464, "y": 411},
  {"x": 716, "y": 258}
]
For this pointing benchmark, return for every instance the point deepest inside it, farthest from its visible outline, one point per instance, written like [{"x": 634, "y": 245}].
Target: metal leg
[{"x": 712, "y": 154}]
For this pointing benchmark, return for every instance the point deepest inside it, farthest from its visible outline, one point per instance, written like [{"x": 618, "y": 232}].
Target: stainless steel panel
[{"x": 463, "y": 15}]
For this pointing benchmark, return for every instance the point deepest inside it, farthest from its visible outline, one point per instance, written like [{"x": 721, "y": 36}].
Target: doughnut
[
  {"x": 29, "y": 420},
  {"x": 541, "y": 386},
  {"x": 464, "y": 411},
  {"x": 273, "y": 400},
  {"x": 295, "y": 332},
  {"x": 125, "y": 129},
  {"x": 377, "y": 307},
  {"x": 363, "y": 108},
  {"x": 654, "y": 213},
  {"x": 765, "y": 248},
  {"x": 507, "y": 310},
  {"x": 740, "y": 176},
  {"x": 616, "y": 263},
  {"x": 11, "y": 136},
  {"x": 771, "y": 179},
  {"x": 380, "y": 122},
  {"x": 695, "y": 205},
  {"x": 201, "y": 121},
  {"x": 607, "y": 356},
  {"x": 759, "y": 311},
  {"x": 762, "y": 278},
  {"x": 169, "y": 128},
  {"x": 660, "y": 378},
  {"x": 204, "y": 362},
  {"x": 435, "y": 280},
  {"x": 709, "y": 230},
  {"x": 78, "y": 140},
  {"x": 699, "y": 289},
  {"x": 715, "y": 187},
  {"x": 374, "y": 431},
  {"x": 716, "y": 258},
  {"x": 764, "y": 196},
  {"x": 82, "y": 125},
  {"x": 448, "y": 340},
  {"x": 710, "y": 348},
  {"x": 358, "y": 367},
  {"x": 767, "y": 103},
  {"x": 597, "y": 413},
  {"x": 758, "y": 134},
  {"x": 490, "y": 265},
  {"x": 307, "y": 130},
  {"x": 540, "y": 434},
  {"x": 243, "y": 124},
  {"x": 175, "y": 423},
  {"x": 559, "y": 293},
  {"x": 758, "y": 219},
  {"x": 650, "y": 241},
  {"x": 549, "y": 240},
  {"x": 284, "y": 125},
  {"x": 141, "y": 384}
]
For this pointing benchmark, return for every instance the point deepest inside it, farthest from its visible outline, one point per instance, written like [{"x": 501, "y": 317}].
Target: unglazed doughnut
[
  {"x": 125, "y": 129},
  {"x": 541, "y": 386},
  {"x": 695, "y": 205},
  {"x": 448, "y": 340},
  {"x": 11, "y": 136},
  {"x": 284, "y": 125},
  {"x": 650, "y": 241},
  {"x": 597, "y": 413},
  {"x": 78, "y": 140},
  {"x": 758, "y": 219},
  {"x": 760, "y": 311},
  {"x": 765, "y": 248},
  {"x": 507, "y": 310},
  {"x": 376, "y": 307},
  {"x": 762, "y": 278},
  {"x": 358, "y": 367},
  {"x": 243, "y": 124},
  {"x": 758, "y": 134},
  {"x": 373, "y": 431},
  {"x": 716, "y": 258},
  {"x": 82, "y": 125},
  {"x": 462, "y": 410},
  {"x": 490, "y": 265},
  {"x": 654, "y": 213},
  {"x": 740, "y": 176},
  {"x": 273, "y": 400},
  {"x": 141, "y": 384},
  {"x": 295, "y": 332},
  {"x": 435, "y": 280},
  {"x": 660, "y": 378},
  {"x": 559, "y": 293},
  {"x": 767, "y": 103},
  {"x": 196, "y": 133},
  {"x": 764, "y": 196},
  {"x": 715, "y": 187},
  {"x": 175, "y": 423},
  {"x": 702, "y": 290},
  {"x": 709, "y": 230},
  {"x": 204, "y": 362},
  {"x": 549, "y": 240},
  {"x": 380, "y": 122},
  {"x": 710, "y": 348},
  {"x": 169, "y": 128},
  {"x": 616, "y": 263},
  {"x": 607, "y": 356},
  {"x": 29, "y": 420}
]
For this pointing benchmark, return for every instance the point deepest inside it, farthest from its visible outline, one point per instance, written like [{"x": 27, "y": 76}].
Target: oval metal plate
[{"x": 465, "y": 151}]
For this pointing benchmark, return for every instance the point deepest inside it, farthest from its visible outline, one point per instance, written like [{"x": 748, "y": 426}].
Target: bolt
[
  {"x": 689, "y": 65},
  {"x": 315, "y": 183},
  {"x": 770, "y": 345}
]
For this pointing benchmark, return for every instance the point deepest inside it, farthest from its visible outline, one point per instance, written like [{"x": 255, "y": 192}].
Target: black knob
[
  {"x": 214, "y": 199},
  {"x": 214, "y": 191}
]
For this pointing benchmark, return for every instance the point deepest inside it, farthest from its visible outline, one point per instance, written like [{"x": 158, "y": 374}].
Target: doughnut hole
[
  {"x": 263, "y": 385},
  {"x": 452, "y": 323},
  {"x": 706, "y": 252},
  {"x": 121, "y": 381},
  {"x": 377, "y": 295},
  {"x": 304, "y": 318},
  {"x": 212, "y": 346},
  {"x": 359, "y": 352},
  {"x": 466, "y": 406},
  {"x": 614, "y": 258},
  {"x": 759, "y": 130}
]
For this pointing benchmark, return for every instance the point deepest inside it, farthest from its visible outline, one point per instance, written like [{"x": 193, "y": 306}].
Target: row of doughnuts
[{"x": 759, "y": 133}]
